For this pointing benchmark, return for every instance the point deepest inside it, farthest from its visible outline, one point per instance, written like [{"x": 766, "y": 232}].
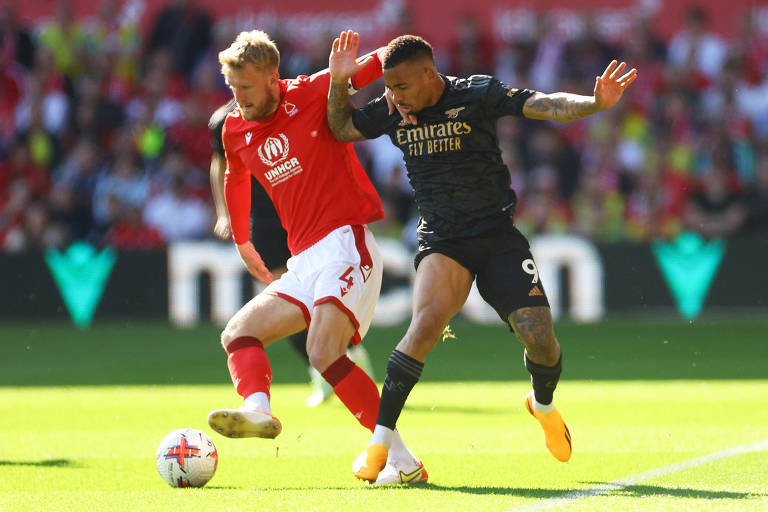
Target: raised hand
[
  {"x": 254, "y": 263},
  {"x": 611, "y": 85},
  {"x": 342, "y": 62}
]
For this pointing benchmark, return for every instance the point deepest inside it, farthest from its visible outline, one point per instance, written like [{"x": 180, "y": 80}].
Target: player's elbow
[{"x": 341, "y": 135}]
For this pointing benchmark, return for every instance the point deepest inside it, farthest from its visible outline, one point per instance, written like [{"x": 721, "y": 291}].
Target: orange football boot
[{"x": 556, "y": 434}]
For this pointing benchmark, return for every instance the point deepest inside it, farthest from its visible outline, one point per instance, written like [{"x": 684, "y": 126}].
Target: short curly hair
[{"x": 405, "y": 48}]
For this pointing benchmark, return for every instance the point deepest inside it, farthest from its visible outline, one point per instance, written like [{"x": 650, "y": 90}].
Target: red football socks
[
  {"x": 249, "y": 366},
  {"x": 355, "y": 389}
]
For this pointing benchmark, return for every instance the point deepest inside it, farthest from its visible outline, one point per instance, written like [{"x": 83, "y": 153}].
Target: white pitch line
[{"x": 756, "y": 446}]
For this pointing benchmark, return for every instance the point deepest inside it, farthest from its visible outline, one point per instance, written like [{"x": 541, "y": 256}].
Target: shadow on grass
[
  {"x": 635, "y": 491},
  {"x": 632, "y": 490},
  {"x": 683, "y": 492},
  {"x": 509, "y": 491},
  {"x": 53, "y": 463},
  {"x": 461, "y": 409}
]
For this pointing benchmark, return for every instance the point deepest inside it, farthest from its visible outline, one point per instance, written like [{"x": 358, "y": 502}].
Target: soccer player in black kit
[
  {"x": 446, "y": 129},
  {"x": 268, "y": 234}
]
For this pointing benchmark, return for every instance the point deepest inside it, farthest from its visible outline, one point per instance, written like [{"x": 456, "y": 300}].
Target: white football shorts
[{"x": 344, "y": 267}]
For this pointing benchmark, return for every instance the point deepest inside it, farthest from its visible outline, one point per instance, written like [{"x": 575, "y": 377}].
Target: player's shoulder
[
  {"x": 233, "y": 123},
  {"x": 315, "y": 81},
  {"x": 472, "y": 87},
  {"x": 220, "y": 115},
  {"x": 377, "y": 109}
]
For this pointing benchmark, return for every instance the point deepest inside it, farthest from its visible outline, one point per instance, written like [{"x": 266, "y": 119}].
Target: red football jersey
[{"x": 316, "y": 183}]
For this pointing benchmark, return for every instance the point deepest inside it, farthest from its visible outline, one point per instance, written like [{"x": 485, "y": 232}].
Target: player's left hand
[
  {"x": 342, "y": 62},
  {"x": 611, "y": 85},
  {"x": 254, "y": 263},
  {"x": 222, "y": 229}
]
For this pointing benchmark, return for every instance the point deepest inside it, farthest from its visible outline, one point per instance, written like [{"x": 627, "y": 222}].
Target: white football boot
[
  {"x": 401, "y": 472},
  {"x": 244, "y": 423}
]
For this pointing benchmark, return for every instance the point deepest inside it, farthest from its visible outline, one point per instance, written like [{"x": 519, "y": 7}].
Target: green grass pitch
[{"x": 83, "y": 412}]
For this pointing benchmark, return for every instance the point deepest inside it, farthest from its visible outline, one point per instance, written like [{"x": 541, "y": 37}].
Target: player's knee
[
  {"x": 321, "y": 358},
  {"x": 533, "y": 327},
  {"x": 226, "y": 339},
  {"x": 228, "y": 335},
  {"x": 317, "y": 360}
]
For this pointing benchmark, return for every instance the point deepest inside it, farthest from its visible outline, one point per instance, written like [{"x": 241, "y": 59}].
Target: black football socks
[
  {"x": 544, "y": 379},
  {"x": 403, "y": 373}
]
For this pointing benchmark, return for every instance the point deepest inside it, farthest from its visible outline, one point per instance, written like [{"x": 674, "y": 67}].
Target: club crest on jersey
[
  {"x": 290, "y": 109},
  {"x": 274, "y": 150},
  {"x": 453, "y": 113},
  {"x": 248, "y": 138}
]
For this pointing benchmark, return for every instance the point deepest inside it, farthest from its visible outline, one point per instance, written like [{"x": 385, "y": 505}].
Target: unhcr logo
[
  {"x": 274, "y": 150},
  {"x": 282, "y": 172}
]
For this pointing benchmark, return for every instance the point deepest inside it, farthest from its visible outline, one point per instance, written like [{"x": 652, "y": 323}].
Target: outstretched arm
[
  {"x": 342, "y": 66},
  {"x": 563, "y": 106}
]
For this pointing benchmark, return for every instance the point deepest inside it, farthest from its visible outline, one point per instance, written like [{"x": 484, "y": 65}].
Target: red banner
[{"x": 436, "y": 20}]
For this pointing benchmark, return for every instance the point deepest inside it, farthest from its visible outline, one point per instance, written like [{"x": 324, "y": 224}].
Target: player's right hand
[
  {"x": 254, "y": 263},
  {"x": 221, "y": 229}
]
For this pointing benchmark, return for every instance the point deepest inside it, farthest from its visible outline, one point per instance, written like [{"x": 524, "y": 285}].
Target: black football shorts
[
  {"x": 501, "y": 262},
  {"x": 270, "y": 240}
]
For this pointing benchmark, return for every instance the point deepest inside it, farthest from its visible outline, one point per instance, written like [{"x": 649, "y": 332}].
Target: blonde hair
[{"x": 254, "y": 47}]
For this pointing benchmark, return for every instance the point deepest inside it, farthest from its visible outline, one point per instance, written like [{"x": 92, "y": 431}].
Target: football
[{"x": 186, "y": 458}]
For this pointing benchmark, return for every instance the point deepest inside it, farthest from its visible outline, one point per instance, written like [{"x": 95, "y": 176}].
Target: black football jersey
[
  {"x": 461, "y": 185},
  {"x": 216, "y": 123}
]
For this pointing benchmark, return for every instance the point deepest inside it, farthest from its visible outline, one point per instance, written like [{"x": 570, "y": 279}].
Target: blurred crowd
[{"x": 104, "y": 137}]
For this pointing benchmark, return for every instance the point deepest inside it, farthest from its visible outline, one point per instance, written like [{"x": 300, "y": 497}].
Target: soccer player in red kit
[{"x": 280, "y": 135}]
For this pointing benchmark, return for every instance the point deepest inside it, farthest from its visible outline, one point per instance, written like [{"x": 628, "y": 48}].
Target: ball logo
[{"x": 274, "y": 150}]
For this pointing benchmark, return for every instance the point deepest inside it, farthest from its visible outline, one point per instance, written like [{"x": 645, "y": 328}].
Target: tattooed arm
[
  {"x": 342, "y": 66},
  {"x": 559, "y": 106},
  {"x": 563, "y": 106},
  {"x": 339, "y": 112}
]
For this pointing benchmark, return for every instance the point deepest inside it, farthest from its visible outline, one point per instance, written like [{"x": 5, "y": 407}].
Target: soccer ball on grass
[{"x": 186, "y": 458}]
